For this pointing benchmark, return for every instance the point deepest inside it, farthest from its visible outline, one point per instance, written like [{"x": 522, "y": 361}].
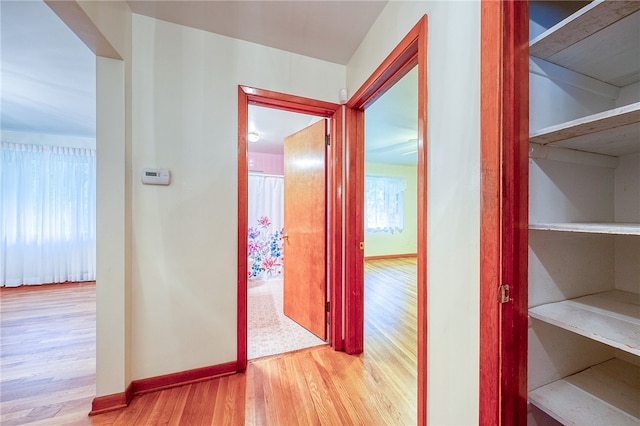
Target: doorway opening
[
  {"x": 410, "y": 53},
  {"x": 391, "y": 229},
  {"x": 47, "y": 254},
  {"x": 326, "y": 150},
  {"x": 271, "y": 327}
]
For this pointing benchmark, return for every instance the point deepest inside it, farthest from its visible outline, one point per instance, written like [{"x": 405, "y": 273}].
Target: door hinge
[
  {"x": 327, "y": 139},
  {"x": 504, "y": 294},
  {"x": 327, "y": 306}
]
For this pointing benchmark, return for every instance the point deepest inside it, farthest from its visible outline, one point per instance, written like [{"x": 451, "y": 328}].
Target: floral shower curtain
[{"x": 266, "y": 227}]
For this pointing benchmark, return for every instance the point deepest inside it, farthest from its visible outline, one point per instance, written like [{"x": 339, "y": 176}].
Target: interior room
[
  {"x": 270, "y": 330},
  {"x": 498, "y": 148},
  {"x": 391, "y": 142},
  {"x": 390, "y": 223}
]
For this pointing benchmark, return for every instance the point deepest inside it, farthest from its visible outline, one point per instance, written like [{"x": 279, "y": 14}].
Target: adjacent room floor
[{"x": 269, "y": 330}]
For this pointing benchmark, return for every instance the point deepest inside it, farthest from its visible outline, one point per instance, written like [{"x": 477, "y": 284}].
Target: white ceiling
[
  {"x": 48, "y": 74},
  {"x": 328, "y": 30},
  {"x": 273, "y": 125},
  {"x": 391, "y": 124}
]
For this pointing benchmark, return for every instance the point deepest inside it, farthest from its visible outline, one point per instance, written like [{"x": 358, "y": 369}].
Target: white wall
[
  {"x": 453, "y": 191},
  {"x": 570, "y": 102},
  {"x": 627, "y": 209},
  {"x": 184, "y": 118},
  {"x": 628, "y": 94},
  {"x": 112, "y": 277},
  {"x": 105, "y": 27}
]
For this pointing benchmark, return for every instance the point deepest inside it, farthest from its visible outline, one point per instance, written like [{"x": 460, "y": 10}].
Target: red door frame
[
  {"x": 411, "y": 51},
  {"x": 504, "y": 211},
  {"x": 252, "y": 96}
]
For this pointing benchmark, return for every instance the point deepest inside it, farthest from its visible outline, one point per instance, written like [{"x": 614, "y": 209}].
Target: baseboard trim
[
  {"x": 167, "y": 381},
  {"x": 118, "y": 401},
  {"x": 47, "y": 286},
  {"x": 391, "y": 256}
]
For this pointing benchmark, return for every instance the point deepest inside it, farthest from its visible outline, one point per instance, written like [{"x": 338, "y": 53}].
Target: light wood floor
[
  {"x": 47, "y": 353},
  {"x": 312, "y": 386}
]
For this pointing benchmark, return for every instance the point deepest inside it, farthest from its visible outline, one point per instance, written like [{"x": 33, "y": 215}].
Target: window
[
  {"x": 47, "y": 214},
  {"x": 384, "y": 205}
]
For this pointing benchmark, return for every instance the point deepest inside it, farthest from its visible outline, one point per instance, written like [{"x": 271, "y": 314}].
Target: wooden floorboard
[
  {"x": 47, "y": 353},
  {"x": 47, "y": 366}
]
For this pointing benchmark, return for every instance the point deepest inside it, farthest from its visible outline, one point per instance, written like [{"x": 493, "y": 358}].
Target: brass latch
[
  {"x": 361, "y": 245},
  {"x": 504, "y": 294}
]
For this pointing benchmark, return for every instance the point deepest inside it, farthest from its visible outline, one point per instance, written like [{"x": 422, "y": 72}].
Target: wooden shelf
[
  {"x": 615, "y": 132},
  {"x": 605, "y": 394},
  {"x": 589, "y": 228},
  {"x": 612, "y": 317},
  {"x": 582, "y": 42}
]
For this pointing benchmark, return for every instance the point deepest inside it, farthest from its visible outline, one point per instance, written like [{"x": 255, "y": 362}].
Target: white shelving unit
[
  {"x": 614, "y": 132},
  {"x": 611, "y": 317},
  {"x": 589, "y": 228},
  {"x": 584, "y": 281},
  {"x": 583, "y": 41},
  {"x": 605, "y": 394}
]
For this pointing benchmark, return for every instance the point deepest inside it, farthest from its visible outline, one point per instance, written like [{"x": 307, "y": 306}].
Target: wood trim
[
  {"x": 243, "y": 194},
  {"x": 390, "y": 256},
  {"x": 167, "y": 381},
  {"x": 504, "y": 210},
  {"x": 354, "y": 233},
  {"x": 490, "y": 165},
  {"x": 106, "y": 403},
  {"x": 334, "y": 243},
  {"x": 299, "y": 104},
  {"x": 24, "y": 288},
  {"x": 253, "y": 96},
  {"x": 116, "y": 401},
  {"x": 515, "y": 205},
  {"x": 423, "y": 193},
  {"x": 411, "y": 51}
]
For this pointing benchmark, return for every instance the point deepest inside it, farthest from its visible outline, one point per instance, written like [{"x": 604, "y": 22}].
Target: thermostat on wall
[{"x": 156, "y": 176}]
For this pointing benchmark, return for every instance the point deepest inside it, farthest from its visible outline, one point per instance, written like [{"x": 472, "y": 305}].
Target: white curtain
[
  {"x": 47, "y": 214},
  {"x": 384, "y": 204},
  {"x": 266, "y": 226}
]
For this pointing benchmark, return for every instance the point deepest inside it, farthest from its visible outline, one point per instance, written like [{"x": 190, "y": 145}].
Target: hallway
[{"x": 311, "y": 386}]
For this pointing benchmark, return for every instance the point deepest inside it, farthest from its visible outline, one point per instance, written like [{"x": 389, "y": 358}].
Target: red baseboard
[
  {"x": 183, "y": 378},
  {"x": 47, "y": 286},
  {"x": 117, "y": 401},
  {"x": 390, "y": 256}
]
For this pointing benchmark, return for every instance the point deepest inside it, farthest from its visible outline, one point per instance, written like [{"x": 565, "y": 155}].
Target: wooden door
[{"x": 305, "y": 290}]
